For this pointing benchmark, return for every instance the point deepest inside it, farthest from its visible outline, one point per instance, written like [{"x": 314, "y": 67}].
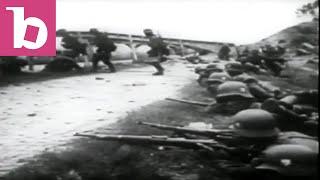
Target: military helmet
[
  {"x": 219, "y": 77},
  {"x": 215, "y": 67},
  {"x": 233, "y": 89},
  {"x": 148, "y": 32},
  {"x": 254, "y": 123},
  {"x": 293, "y": 137},
  {"x": 212, "y": 65},
  {"x": 234, "y": 68},
  {"x": 289, "y": 160},
  {"x": 245, "y": 78},
  {"x": 94, "y": 31}
]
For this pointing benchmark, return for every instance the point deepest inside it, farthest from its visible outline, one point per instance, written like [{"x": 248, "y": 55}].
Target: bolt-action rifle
[
  {"x": 207, "y": 144},
  {"x": 187, "y": 130}
]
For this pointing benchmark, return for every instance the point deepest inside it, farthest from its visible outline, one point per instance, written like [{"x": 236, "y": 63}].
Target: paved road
[{"x": 42, "y": 116}]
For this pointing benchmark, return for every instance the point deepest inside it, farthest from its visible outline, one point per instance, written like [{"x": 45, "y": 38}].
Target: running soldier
[
  {"x": 105, "y": 47},
  {"x": 158, "y": 51}
]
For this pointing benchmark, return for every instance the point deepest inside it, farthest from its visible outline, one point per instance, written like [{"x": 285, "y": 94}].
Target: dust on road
[{"x": 41, "y": 116}]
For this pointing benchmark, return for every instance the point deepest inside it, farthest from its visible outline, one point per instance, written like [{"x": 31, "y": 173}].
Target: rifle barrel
[
  {"x": 201, "y": 132},
  {"x": 153, "y": 140},
  {"x": 197, "y": 103}
]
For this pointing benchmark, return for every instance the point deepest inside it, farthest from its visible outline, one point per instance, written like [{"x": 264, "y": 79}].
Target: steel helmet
[
  {"x": 293, "y": 137},
  {"x": 219, "y": 77},
  {"x": 232, "y": 90},
  {"x": 254, "y": 123},
  {"x": 289, "y": 160},
  {"x": 234, "y": 68},
  {"x": 245, "y": 78},
  {"x": 148, "y": 32},
  {"x": 198, "y": 69}
]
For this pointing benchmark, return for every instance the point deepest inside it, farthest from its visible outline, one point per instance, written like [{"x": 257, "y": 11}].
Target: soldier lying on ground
[
  {"x": 215, "y": 79},
  {"x": 279, "y": 162},
  {"x": 259, "y": 91},
  {"x": 256, "y": 61},
  {"x": 232, "y": 97},
  {"x": 62, "y": 64},
  {"x": 254, "y": 142},
  {"x": 204, "y": 73},
  {"x": 296, "y": 111}
]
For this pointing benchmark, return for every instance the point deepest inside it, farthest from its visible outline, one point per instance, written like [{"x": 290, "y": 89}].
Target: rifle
[
  {"x": 197, "y": 103},
  {"x": 207, "y": 144},
  {"x": 186, "y": 130}
]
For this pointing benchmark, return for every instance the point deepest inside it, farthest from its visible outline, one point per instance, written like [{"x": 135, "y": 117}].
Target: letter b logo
[{"x": 27, "y": 28}]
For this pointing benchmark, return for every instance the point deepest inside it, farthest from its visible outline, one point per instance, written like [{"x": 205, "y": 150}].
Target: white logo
[{"x": 20, "y": 27}]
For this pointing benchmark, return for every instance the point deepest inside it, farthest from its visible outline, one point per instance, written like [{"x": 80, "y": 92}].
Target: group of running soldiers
[{"x": 104, "y": 47}]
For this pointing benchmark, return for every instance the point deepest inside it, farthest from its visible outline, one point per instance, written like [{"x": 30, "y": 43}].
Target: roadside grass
[{"x": 97, "y": 160}]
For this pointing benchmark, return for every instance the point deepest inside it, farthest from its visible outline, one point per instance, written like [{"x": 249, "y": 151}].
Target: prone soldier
[
  {"x": 254, "y": 143},
  {"x": 259, "y": 91},
  {"x": 232, "y": 97},
  {"x": 298, "y": 111},
  {"x": 215, "y": 79},
  {"x": 206, "y": 72}
]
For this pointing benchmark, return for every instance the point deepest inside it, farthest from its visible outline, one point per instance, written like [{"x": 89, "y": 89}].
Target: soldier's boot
[
  {"x": 94, "y": 65},
  {"x": 110, "y": 65},
  {"x": 159, "y": 68}
]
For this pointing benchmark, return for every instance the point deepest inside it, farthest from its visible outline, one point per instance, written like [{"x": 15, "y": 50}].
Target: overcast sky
[{"x": 237, "y": 21}]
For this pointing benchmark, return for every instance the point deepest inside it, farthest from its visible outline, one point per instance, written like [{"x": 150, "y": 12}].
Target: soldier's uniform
[
  {"x": 105, "y": 47},
  {"x": 72, "y": 43},
  {"x": 215, "y": 79},
  {"x": 255, "y": 132},
  {"x": 158, "y": 51},
  {"x": 232, "y": 97},
  {"x": 224, "y": 52},
  {"x": 204, "y": 73},
  {"x": 297, "y": 112},
  {"x": 259, "y": 91},
  {"x": 62, "y": 64}
]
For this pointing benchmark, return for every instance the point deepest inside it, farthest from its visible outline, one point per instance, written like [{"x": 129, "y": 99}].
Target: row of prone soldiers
[
  {"x": 104, "y": 47},
  {"x": 265, "y": 116},
  {"x": 268, "y": 57},
  {"x": 270, "y": 134}
]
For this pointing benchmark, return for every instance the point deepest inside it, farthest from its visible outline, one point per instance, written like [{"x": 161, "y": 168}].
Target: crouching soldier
[
  {"x": 158, "y": 51},
  {"x": 105, "y": 47}
]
